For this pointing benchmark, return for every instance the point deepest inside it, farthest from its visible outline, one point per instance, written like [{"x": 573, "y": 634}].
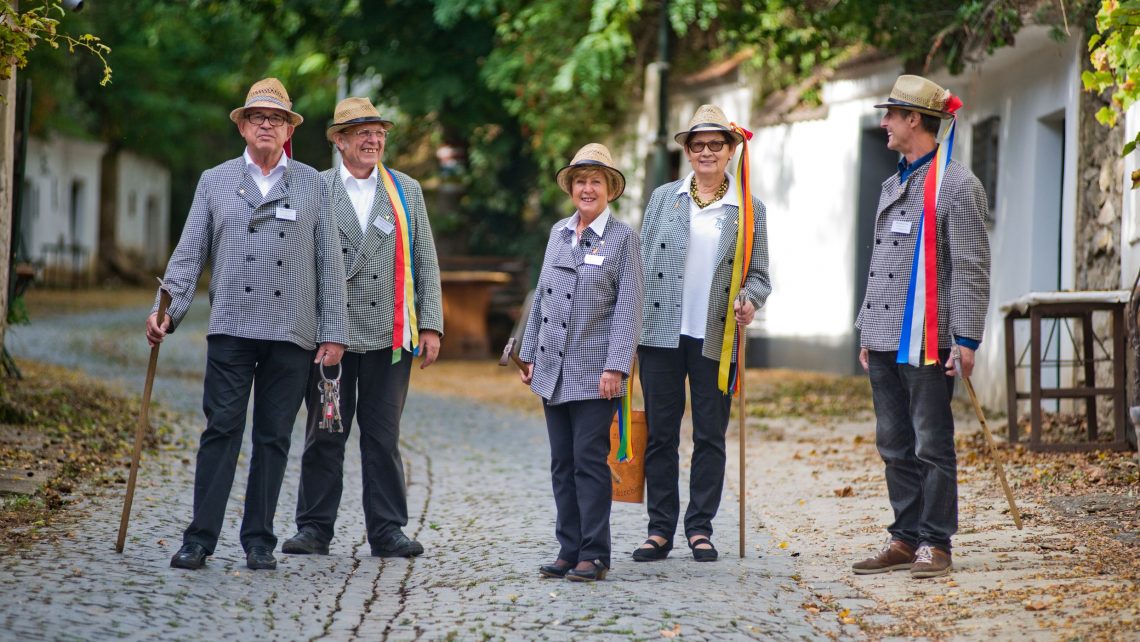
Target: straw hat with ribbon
[
  {"x": 593, "y": 156},
  {"x": 270, "y": 94},
  {"x": 916, "y": 93},
  {"x": 709, "y": 118},
  {"x": 355, "y": 111}
]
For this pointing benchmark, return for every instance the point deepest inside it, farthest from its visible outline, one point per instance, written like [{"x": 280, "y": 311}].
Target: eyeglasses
[
  {"x": 365, "y": 134},
  {"x": 259, "y": 118},
  {"x": 713, "y": 145}
]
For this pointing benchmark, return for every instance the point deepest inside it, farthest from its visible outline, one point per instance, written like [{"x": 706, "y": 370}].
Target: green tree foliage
[
  {"x": 1115, "y": 55},
  {"x": 21, "y": 31}
]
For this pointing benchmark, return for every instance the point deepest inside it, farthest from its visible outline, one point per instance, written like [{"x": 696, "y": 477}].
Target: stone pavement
[{"x": 480, "y": 502}]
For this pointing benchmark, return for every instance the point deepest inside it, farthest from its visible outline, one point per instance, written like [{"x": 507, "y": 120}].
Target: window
[{"x": 984, "y": 158}]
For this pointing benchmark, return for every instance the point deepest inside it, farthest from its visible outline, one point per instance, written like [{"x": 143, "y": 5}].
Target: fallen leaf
[
  {"x": 161, "y": 542},
  {"x": 783, "y": 544},
  {"x": 846, "y": 491},
  {"x": 671, "y": 633}
]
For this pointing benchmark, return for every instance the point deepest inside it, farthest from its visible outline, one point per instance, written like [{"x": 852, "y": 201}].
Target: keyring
[{"x": 323, "y": 377}]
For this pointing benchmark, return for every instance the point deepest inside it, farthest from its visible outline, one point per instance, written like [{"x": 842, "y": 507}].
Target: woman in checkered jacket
[
  {"x": 578, "y": 352},
  {"x": 688, "y": 244}
]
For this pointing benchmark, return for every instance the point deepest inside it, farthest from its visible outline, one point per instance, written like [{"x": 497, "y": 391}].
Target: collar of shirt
[
  {"x": 365, "y": 184},
  {"x": 730, "y": 197},
  {"x": 255, "y": 169},
  {"x": 906, "y": 169},
  {"x": 599, "y": 225}
]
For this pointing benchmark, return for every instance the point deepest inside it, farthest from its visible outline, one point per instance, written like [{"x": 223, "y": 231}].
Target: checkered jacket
[
  {"x": 664, "y": 249},
  {"x": 585, "y": 318},
  {"x": 271, "y": 278},
  {"x": 963, "y": 259},
  {"x": 369, "y": 261}
]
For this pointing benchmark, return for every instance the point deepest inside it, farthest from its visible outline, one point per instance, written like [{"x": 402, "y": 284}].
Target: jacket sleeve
[
  {"x": 757, "y": 283},
  {"x": 193, "y": 252},
  {"x": 625, "y": 328},
  {"x": 332, "y": 312},
  {"x": 969, "y": 260},
  {"x": 429, "y": 293}
]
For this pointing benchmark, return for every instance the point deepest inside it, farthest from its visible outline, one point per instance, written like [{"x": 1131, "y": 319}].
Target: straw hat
[
  {"x": 593, "y": 156},
  {"x": 269, "y": 93},
  {"x": 354, "y": 111},
  {"x": 709, "y": 118},
  {"x": 916, "y": 93}
]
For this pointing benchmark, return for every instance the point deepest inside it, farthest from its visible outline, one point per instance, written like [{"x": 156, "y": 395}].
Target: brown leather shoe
[
  {"x": 931, "y": 562},
  {"x": 896, "y": 555}
]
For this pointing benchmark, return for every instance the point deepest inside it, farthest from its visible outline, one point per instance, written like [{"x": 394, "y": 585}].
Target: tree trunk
[{"x": 7, "y": 177}]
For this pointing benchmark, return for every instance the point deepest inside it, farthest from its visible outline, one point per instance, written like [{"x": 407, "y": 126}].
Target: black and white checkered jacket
[
  {"x": 664, "y": 249},
  {"x": 275, "y": 274},
  {"x": 585, "y": 318},
  {"x": 963, "y": 259},
  {"x": 369, "y": 260}
]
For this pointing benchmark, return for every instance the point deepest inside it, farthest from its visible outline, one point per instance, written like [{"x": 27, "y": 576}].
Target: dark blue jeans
[{"x": 915, "y": 436}]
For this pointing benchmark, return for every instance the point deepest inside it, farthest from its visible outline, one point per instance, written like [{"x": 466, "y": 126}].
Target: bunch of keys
[{"x": 330, "y": 401}]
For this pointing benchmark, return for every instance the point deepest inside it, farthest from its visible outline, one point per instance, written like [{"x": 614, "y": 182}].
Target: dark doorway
[{"x": 876, "y": 163}]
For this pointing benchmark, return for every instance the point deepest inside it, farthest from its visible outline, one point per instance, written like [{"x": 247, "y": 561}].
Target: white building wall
[
  {"x": 143, "y": 216},
  {"x": 62, "y": 198}
]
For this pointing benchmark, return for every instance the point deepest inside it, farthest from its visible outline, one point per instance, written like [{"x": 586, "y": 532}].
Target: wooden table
[
  {"x": 466, "y": 298},
  {"x": 1036, "y": 306}
]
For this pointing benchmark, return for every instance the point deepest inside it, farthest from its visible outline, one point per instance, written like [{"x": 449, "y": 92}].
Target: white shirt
[
  {"x": 362, "y": 193},
  {"x": 266, "y": 183},
  {"x": 599, "y": 225},
  {"x": 705, "y": 227}
]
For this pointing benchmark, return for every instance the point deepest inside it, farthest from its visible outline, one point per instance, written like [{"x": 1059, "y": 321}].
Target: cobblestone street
[{"x": 480, "y": 502}]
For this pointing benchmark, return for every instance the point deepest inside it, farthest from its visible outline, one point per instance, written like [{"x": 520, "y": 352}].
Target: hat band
[
  {"x": 266, "y": 99},
  {"x": 708, "y": 125},
  {"x": 590, "y": 162},
  {"x": 357, "y": 121},
  {"x": 904, "y": 103}
]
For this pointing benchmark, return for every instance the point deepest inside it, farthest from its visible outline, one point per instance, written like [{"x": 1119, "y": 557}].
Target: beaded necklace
[{"x": 720, "y": 192}]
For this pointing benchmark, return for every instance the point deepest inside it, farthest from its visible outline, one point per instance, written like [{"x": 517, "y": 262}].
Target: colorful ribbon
[
  {"x": 741, "y": 260},
  {"x": 625, "y": 415},
  {"x": 405, "y": 288},
  {"x": 920, "y": 316}
]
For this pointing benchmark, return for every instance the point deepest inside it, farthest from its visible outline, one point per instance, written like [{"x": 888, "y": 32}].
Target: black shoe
[
  {"x": 596, "y": 572},
  {"x": 556, "y": 570},
  {"x": 397, "y": 545},
  {"x": 305, "y": 542},
  {"x": 703, "y": 554},
  {"x": 260, "y": 558},
  {"x": 658, "y": 552},
  {"x": 191, "y": 556}
]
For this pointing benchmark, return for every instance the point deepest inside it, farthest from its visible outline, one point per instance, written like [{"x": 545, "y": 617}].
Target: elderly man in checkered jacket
[
  {"x": 915, "y": 429},
  {"x": 260, "y": 223},
  {"x": 385, "y": 239}
]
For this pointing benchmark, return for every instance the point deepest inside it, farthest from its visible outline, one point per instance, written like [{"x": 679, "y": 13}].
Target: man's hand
[
  {"x": 429, "y": 347},
  {"x": 527, "y": 373},
  {"x": 610, "y": 384},
  {"x": 967, "y": 357},
  {"x": 329, "y": 354},
  {"x": 744, "y": 313},
  {"x": 154, "y": 333},
  {"x": 865, "y": 359}
]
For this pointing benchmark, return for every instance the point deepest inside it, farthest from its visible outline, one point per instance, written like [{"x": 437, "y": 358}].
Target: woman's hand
[
  {"x": 744, "y": 312},
  {"x": 527, "y": 374},
  {"x": 610, "y": 384}
]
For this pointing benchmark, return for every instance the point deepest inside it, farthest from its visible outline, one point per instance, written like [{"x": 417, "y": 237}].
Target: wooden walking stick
[
  {"x": 140, "y": 429},
  {"x": 740, "y": 368},
  {"x": 990, "y": 443}
]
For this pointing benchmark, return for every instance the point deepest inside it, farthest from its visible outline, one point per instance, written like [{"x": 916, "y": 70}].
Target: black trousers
[
  {"x": 276, "y": 371},
  {"x": 373, "y": 391},
  {"x": 579, "y": 445},
  {"x": 663, "y": 373}
]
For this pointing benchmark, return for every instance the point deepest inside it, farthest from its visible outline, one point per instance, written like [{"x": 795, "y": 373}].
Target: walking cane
[
  {"x": 740, "y": 368},
  {"x": 990, "y": 442},
  {"x": 140, "y": 429}
]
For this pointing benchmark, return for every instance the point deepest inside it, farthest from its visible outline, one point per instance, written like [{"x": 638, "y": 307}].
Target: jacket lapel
[
  {"x": 727, "y": 233},
  {"x": 344, "y": 213},
  {"x": 566, "y": 255},
  {"x": 373, "y": 237}
]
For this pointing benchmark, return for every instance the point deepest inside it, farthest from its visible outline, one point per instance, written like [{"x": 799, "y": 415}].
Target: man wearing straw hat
[
  {"x": 261, "y": 225},
  {"x": 395, "y": 310},
  {"x": 925, "y": 309}
]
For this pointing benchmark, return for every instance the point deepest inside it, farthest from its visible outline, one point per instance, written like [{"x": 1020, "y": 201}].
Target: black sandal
[
  {"x": 703, "y": 554},
  {"x": 593, "y": 574},
  {"x": 658, "y": 552},
  {"x": 555, "y": 570}
]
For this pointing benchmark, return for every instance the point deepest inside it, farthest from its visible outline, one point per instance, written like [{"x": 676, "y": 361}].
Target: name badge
[
  {"x": 286, "y": 214},
  {"x": 383, "y": 224},
  {"x": 900, "y": 227},
  {"x": 594, "y": 259}
]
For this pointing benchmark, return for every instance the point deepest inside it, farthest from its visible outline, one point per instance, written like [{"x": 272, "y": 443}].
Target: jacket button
[
  {"x": 567, "y": 295},
  {"x": 730, "y": 261},
  {"x": 549, "y": 291},
  {"x": 279, "y": 263},
  {"x": 663, "y": 246},
  {"x": 252, "y": 230},
  {"x": 374, "y": 277},
  {"x": 902, "y": 213},
  {"x": 544, "y": 319},
  {"x": 281, "y": 234},
  {"x": 560, "y": 353},
  {"x": 249, "y": 257},
  {"x": 344, "y": 249},
  {"x": 277, "y": 293},
  {"x": 348, "y": 305},
  {"x": 542, "y": 348},
  {"x": 877, "y": 241},
  {"x": 896, "y": 243},
  {"x": 726, "y": 290},
  {"x": 868, "y": 306},
  {"x": 248, "y": 289},
  {"x": 722, "y": 319},
  {"x": 872, "y": 273},
  {"x": 887, "y": 306},
  {"x": 563, "y": 324},
  {"x": 890, "y": 275},
  {"x": 373, "y": 304},
  {"x": 660, "y": 275},
  {"x": 656, "y": 304},
  {"x": 587, "y": 244}
]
